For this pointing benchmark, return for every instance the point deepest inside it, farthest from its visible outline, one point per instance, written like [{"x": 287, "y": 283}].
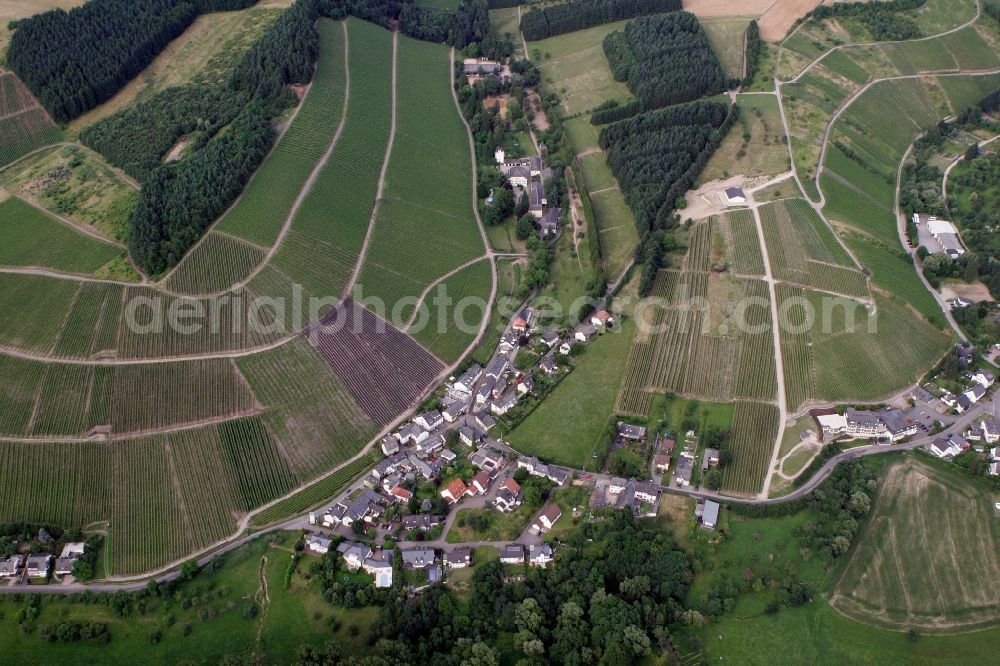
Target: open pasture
[
  {"x": 425, "y": 225},
  {"x": 763, "y": 154},
  {"x": 30, "y": 237},
  {"x": 75, "y": 183},
  {"x": 574, "y": 66},
  {"x": 919, "y": 563}
]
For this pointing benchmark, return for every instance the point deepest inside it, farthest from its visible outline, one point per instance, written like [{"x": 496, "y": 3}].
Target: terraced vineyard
[
  {"x": 803, "y": 250},
  {"x": 450, "y": 329},
  {"x": 847, "y": 352},
  {"x": 712, "y": 339},
  {"x": 755, "y": 428},
  {"x": 425, "y": 225},
  {"x": 24, "y": 124}
]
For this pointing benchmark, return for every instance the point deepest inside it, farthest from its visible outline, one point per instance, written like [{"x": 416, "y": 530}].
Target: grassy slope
[
  {"x": 565, "y": 427},
  {"x": 31, "y": 237}
]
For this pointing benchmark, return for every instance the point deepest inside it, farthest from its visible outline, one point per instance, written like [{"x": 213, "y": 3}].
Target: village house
[
  {"x": 454, "y": 490},
  {"x": 480, "y": 483},
  {"x": 707, "y": 514},
  {"x": 488, "y": 458},
  {"x": 975, "y": 392},
  {"x": 548, "y": 365},
  {"x": 710, "y": 458},
  {"x": 401, "y": 494},
  {"x": 629, "y": 431},
  {"x": 504, "y": 403},
  {"x": 984, "y": 378},
  {"x": 526, "y": 386},
  {"x": 522, "y": 321},
  {"x": 546, "y": 519},
  {"x": 945, "y": 448},
  {"x": 991, "y": 432},
  {"x": 365, "y": 507},
  {"x": 390, "y": 445},
  {"x": 485, "y": 391},
  {"x": 550, "y": 339},
  {"x": 661, "y": 462},
  {"x": 420, "y": 466},
  {"x": 585, "y": 332},
  {"x": 422, "y": 522},
  {"x": 429, "y": 420},
  {"x": 418, "y": 558},
  {"x": 453, "y": 409},
  {"x": 508, "y": 496},
  {"x": 512, "y": 554},
  {"x": 411, "y": 433},
  {"x": 485, "y": 422},
  {"x": 499, "y": 388},
  {"x": 354, "y": 553},
  {"x": 467, "y": 381},
  {"x": 565, "y": 347},
  {"x": 11, "y": 567},
  {"x": 468, "y": 436},
  {"x": 458, "y": 558},
  {"x": 601, "y": 318},
  {"x": 540, "y": 555},
  {"x": 683, "y": 471},
  {"x": 317, "y": 543},
  {"x": 431, "y": 444},
  {"x": 379, "y": 565}
]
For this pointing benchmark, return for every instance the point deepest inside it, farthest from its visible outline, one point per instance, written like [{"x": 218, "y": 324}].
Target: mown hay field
[{"x": 921, "y": 561}]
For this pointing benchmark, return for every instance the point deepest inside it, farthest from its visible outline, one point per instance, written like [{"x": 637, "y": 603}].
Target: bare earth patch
[{"x": 977, "y": 291}]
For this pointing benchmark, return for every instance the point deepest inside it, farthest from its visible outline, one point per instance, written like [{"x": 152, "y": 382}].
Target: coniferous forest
[
  {"x": 72, "y": 61},
  {"x": 579, "y": 14},
  {"x": 666, "y": 59}
]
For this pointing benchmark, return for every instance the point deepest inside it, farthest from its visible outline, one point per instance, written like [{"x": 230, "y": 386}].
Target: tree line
[
  {"x": 881, "y": 18},
  {"x": 179, "y": 200},
  {"x": 558, "y": 19},
  {"x": 753, "y": 53},
  {"x": 656, "y": 156},
  {"x": 666, "y": 59},
  {"x": 73, "y": 61}
]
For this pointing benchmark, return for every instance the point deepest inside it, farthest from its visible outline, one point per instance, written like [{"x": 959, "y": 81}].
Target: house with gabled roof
[
  {"x": 317, "y": 543},
  {"x": 585, "y": 332},
  {"x": 991, "y": 432},
  {"x": 504, "y": 403},
  {"x": 11, "y": 567},
  {"x": 390, "y": 445},
  {"x": 546, "y": 518},
  {"x": 454, "y": 490},
  {"x": 630, "y": 431},
  {"x": 454, "y": 409},
  {"x": 412, "y": 433},
  {"x": 429, "y": 420},
  {"x": 354, "y": 553},
  {"x": 984, "y": 377},
  {"x": 422, "y": 522},
  {"x": 480, "y": 483},
  {"x": 540, "y": 555},
  {"x": 468, "y": 379},
  {"x": 601, "y": 318},
  {"x": 512, "y": 554},
  {"x": 418, "y": 558},
  {"x": 508, "y": 495},
  {"x": 458, "y": 558},
  {"x": 484, "y": 421},
  {"x": 548, "y": 364},
  {"x": 944, "y": 448},
  {"x": 379, "y": 565}
]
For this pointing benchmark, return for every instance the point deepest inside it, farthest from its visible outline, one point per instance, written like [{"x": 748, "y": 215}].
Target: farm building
[
  {"x": 734, "y": 196},
  {"x": 938, "y": 235}
]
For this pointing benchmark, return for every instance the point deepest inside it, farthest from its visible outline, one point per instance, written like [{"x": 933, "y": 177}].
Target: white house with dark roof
[
  {"x": 379, "y": 565},
  {"x": 11, "y": 567},
  {"x": 458, "y": 558},
  {"x": 412, "y": 433},
  {"x": 319, "y": 544},
  {"x": 418, "y": 558},
  {"x": 429, "y": 420},
  {"x": 38, "y": 565},
  {"x": 984, "y": 377},
  {"x": 540, "y": 555},
  {"x": 734, "y": 196},
  {"x": 468, "y": 379},
  {"x": 454, "y": 409},
  {"x": 991, "y": 432},
  {"x": 585, "y": 332},
  {"x": 468, "y": 436},
  {"x": 512, "y": 554},
  {"x": 484, "y": 421},
  {"x": 546, "y": 518},
  {"x": 354, "y": 553},
  {"x": 630, "y": 431},
  {"x": 390, "y": 445},
  {"x": 944, "y": 448},
  {"x": 548, "y": 364},
  {"x": 504, "y": 403}
]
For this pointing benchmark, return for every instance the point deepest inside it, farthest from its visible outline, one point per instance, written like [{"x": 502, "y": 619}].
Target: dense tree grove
[
  {"x": 579, "y": 14},
  {"x": 656, "y": 157},
  {"x": 754, "y": 51},
  {"x": 75, "y": 60},
  {"x": 179, "y": 200},
  {"x": 666, "y": 59},
  {"x": 469, "y": 23},
  {"x": 976, "y": 215},
  {"x": 650, "y": 152},
  {"x": 881, "y": 18},
  {"x": 177, "y": 203}
]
